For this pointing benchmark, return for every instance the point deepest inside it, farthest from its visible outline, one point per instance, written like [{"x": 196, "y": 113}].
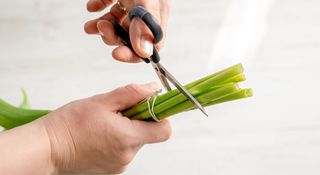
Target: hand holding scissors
[
  {"x": 140, "y": 36},
  {"x": 162, "y": 73}
]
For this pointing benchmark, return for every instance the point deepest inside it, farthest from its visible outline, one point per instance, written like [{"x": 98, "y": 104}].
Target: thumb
[
  {"x": 127, "y": 96},
  {"x": 141, "y": 38}
]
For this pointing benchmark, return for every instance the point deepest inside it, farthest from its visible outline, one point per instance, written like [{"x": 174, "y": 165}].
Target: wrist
[
  {"x": 61, "y": 142},
  {"x": 45, "y": 148},
  {"x": 28, "y": 148}
]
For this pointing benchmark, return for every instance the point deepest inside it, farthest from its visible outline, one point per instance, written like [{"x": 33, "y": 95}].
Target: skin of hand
[
  {"x": 140, "y": 35},
  {"x": 88, "y": 136}
]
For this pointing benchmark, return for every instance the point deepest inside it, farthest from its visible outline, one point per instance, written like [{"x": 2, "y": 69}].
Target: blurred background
[{"x": 44, "y": 49}]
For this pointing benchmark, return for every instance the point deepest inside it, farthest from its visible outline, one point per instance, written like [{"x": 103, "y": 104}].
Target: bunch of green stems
[{"x": 213, "y": 89}]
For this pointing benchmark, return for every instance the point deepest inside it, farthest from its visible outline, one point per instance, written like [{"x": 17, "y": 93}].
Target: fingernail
[
  {"x": 146, "y": 46},
  {"x": 99, "y": 25},
  {"x": 100, "y": 33},
  {"x": 153, "y": 86}
]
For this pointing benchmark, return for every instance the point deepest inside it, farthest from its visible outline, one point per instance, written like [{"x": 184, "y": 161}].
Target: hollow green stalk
[
  {"x": 231, "y": 74},
  {"x": 204, "y": 98}
]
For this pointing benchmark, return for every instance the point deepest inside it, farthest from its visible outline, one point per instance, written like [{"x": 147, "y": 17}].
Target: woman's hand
[
  {"x": 91, "y": 135},
  {"x": 88, "y": 136},
  {"x": 140, "y": 36}
]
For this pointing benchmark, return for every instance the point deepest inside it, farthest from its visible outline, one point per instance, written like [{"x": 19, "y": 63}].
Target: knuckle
[{"x": 132, "y": 88}]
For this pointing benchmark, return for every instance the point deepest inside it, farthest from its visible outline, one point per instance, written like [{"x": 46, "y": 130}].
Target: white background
[{"x": 43, "y": 48}]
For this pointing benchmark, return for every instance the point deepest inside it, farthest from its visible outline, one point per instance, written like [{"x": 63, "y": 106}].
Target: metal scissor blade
[
  {"x": 162, "y": 78},
  {"x": 159, "y": 68}
]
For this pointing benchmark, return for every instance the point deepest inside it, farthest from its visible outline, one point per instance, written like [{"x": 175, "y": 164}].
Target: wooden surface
[{"x": 44, "y": 50}]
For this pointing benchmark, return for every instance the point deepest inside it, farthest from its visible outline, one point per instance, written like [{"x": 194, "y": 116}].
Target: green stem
[
  {"x": 25, "y": 103},
  {"x": 18, "y": 116},
  {"x": 231, "y": 74},
  {"x": 243, "y": 93},
  {"x": 203, "y": 99}
]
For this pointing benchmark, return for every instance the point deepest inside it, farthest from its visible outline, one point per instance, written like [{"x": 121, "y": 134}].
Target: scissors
[{"x": 163, "y": 74}]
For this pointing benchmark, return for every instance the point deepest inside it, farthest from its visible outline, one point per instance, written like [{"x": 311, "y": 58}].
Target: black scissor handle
[{"x": 148, "y": 19}]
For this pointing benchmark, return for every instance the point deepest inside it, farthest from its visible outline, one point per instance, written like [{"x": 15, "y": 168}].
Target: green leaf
[{"x": 25, "y": 103}]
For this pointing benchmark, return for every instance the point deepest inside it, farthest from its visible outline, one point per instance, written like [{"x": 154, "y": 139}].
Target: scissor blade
[
  {"x": 162, "y": 78},
  {"x": 175, "y": 82}
]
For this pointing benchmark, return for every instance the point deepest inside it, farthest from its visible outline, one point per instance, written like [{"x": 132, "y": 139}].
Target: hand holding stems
[
  {"x": 140, "y": 36},
  {"x": 85, "y": 136}
]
